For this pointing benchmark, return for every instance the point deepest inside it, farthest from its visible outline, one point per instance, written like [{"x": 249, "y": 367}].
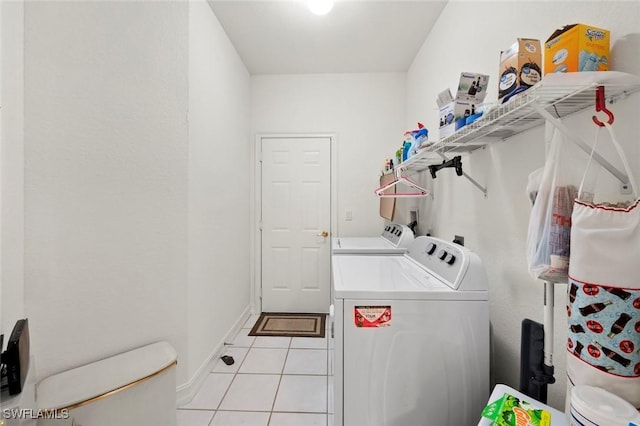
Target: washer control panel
[
  {"x": 457, "y": 266},
  {"x": 398, "y": 235}
]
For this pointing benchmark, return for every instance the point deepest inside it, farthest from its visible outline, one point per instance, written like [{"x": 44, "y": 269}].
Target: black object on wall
[
  {"x": 455, "y": 162},
  {"x": 16, "y": 357},
  {"x": 534, "y": 374}
]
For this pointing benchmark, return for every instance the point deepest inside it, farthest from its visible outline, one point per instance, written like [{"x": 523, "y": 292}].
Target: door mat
[{"x": 289, "y": 325}]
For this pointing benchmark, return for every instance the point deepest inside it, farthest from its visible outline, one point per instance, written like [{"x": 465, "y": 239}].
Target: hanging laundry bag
[{"x": 604, "y": 293}]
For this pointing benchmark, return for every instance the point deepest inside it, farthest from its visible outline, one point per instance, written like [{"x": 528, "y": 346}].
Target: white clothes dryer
[
  {"x": 394, "y": 240},
  {"x": 411, "y": 337}
]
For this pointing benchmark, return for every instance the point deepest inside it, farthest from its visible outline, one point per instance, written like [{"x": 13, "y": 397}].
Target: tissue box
[
  {"x": 520, "y": 67},
  {"x": 577, "y": 47}
]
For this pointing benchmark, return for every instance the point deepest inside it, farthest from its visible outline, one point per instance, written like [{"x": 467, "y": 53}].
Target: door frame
[{"x": 255, "y": 234}]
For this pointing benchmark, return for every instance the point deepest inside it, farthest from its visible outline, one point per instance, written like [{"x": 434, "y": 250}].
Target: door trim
[{"x": 255, "y": 234}]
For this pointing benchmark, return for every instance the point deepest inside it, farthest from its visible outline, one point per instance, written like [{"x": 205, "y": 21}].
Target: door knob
[{"x": 323, "y": 234}]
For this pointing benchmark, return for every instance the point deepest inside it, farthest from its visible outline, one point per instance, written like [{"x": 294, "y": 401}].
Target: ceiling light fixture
[{"x": 320, "y": 7}]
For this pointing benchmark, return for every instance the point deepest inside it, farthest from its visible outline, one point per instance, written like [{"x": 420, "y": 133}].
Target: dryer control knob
[
  {"x": 431, "y": 248},
  {"x": 442, "y": 254},
  {"x": 450, "y": 259}
]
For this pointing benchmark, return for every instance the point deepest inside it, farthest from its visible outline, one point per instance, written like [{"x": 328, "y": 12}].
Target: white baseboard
[{"x": 186, "y": 391}]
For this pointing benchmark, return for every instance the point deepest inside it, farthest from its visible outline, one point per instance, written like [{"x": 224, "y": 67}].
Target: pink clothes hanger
[{"x": 401, "y": 179}]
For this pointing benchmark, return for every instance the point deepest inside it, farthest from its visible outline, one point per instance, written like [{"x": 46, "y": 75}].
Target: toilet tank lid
[{"x": 82, "y": 384}]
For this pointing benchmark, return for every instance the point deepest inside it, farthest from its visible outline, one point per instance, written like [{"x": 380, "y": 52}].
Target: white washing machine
[
  {"x": 394, "y": 240},
  {"x": 411, "y": 337}
]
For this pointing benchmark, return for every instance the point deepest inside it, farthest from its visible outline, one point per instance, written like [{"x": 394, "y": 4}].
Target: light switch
[{"x": 348, "y": 216}]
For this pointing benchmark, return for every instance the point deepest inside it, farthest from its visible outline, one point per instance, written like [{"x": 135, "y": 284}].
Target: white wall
[
  {"x": 136, "y": 169},
  {"x": 1, "y": 168},
  {"x": 367, "y": 113},
  {"x": 121, "y": 207},
  {"x": 219, "y": 186},
  {"x": 468, "y": 37},
  {"x": 106, "y": 144},
  {"x": 12, "y": 158}
]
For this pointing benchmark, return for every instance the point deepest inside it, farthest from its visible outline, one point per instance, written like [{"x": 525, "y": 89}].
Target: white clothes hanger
[{"x": 401, "y": 179}]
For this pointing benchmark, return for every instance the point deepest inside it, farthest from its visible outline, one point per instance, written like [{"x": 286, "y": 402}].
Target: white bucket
[{"x": 592, "y": 406}]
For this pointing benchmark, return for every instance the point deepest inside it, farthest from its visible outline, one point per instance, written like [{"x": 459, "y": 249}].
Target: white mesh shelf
[{"x": 559, "y": 94}]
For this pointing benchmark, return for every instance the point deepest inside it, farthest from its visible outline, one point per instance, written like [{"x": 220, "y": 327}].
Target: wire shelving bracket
[{"x": 456, "y": 163}]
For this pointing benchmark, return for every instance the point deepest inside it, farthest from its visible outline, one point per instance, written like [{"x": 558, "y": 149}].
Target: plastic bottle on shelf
[
  {"x": 405, "y": 150},
  {"x": 419, "y": 138}
]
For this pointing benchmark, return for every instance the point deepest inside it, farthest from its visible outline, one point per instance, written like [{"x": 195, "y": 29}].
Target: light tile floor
[{"x": 275, "y": 381}]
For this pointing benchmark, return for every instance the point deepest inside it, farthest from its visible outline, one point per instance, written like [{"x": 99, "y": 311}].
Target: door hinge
[
  {"x": 260, "y": 225},
  {"x": 260, "y": 156}
]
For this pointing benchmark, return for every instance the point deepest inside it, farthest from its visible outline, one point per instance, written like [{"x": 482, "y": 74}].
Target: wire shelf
[{"x": 559, "y": 94}]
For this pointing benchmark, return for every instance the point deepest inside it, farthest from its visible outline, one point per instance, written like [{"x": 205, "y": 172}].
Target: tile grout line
[
  {"x": 235, "y": 374},
  {"x": 275, "y": 397}
]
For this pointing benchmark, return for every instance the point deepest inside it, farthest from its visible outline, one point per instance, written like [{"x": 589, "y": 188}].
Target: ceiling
[{"x": 284, "y": 37}]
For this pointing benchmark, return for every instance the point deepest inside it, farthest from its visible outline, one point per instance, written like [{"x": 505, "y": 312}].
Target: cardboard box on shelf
[
  {"x": 577, "y": 47},
  {"x": 520, "y": 67},
  {"x": 454, "y": 113}
]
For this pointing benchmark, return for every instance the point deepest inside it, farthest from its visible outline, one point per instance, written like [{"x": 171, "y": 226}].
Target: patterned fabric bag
[{"x": 604, "y": 293}]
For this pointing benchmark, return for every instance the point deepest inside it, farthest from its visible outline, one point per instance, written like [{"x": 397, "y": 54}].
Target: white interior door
[{"x": 296, "y": 219}]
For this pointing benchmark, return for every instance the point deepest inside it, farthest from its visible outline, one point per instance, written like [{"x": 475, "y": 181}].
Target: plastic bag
[
  {"x": 549, "y": 234},
  {"x": 534, "y": 183}
]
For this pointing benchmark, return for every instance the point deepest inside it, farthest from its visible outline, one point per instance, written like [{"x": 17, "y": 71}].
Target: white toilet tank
[{"x": 133, "y": 388}]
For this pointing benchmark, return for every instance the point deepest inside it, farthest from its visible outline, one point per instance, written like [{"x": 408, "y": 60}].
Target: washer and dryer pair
[
  {"x": 394, "y": 240},
  {"x": 410, "y": 333}
]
